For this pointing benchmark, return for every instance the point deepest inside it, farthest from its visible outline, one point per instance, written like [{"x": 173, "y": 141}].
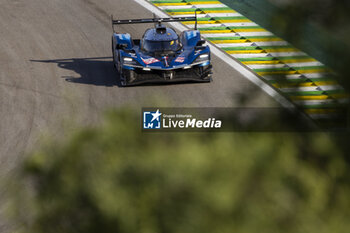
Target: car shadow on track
[{"x": 97, "y": 71}]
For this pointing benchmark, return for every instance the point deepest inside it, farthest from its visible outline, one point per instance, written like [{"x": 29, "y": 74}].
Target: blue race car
[{"x": 161, "y": 55}]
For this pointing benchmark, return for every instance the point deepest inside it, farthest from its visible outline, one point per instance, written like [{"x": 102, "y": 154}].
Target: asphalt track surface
[
  {"x": 55, "y": 59},
  {"x": 55, "y": 66}
]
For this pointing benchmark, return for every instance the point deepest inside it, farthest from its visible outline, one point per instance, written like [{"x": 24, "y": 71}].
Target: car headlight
[
  {"x": 202, "y": 58},
  {"x": 129, "y": 61}
]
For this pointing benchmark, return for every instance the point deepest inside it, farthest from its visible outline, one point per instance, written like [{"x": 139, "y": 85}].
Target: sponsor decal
[
  {"x": 166, "y": 61},
  {"x": 152, "y": 120},
  {"x": 197, "y": 52},
  {"x": 180, "y": 59},
  {"x": 210, "y": 123},
  {"x": 156, "y": 120},
  {"x": 150, "y": 60}
]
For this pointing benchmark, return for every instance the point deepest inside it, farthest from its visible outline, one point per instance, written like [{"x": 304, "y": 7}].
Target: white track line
[
  {"x": 268, "y": 66},
  {"x": 254, "y": 44},
  {"x": 300, "y": 76},
  {"x": 302, "y": 64},
  {"x": 248, "y": 55},
  {"x": 240, "y": 24},
  {"x": 227, "y": 58},
  {"x": 322, "y": 102},
  {"x": 291, "y": 65},
  {"x": 193, "y": 6},
  {"x": 287, "y": 77},
  {"x": 230, "y": 34},
  {"x": 312, "y": 88},
  {"x": 271, "y": 43},
  {"x": 243, "y": 24},
  {"x": 318, "y": 75},
  {"x": 207, "y": 15},
  {"x": 256, "y": 33},
  {"x": 220, "y": 35},
  {"x": 287, "y": 54},
  {"x": 234, "y": 45}
]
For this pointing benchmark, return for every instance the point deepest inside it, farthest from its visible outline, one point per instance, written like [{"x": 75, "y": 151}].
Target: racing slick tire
[
  {"x": 113, "y": 54},
  {"x": 127, "y": 77},
  {"x": 130, "y": 76},
  {"x": 206, "y": 73}
]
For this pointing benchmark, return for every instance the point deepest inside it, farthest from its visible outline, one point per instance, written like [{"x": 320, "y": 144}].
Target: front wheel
[
  {"x": 113, "y": 54},
  {"x": 128, "y": 77},
  {"x": 206, "y": 72}
]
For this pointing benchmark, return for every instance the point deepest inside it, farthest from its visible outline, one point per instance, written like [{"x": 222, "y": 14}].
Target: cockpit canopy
[
  {"x": 160, "y": 46},
  {"x": 160, "y": 39}
]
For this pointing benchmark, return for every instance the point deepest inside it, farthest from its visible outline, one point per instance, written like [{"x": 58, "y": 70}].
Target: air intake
[{"x": 161, "y": 30}]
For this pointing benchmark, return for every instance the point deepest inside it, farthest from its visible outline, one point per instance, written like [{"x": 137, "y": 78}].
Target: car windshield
[{"x": 159, "y": 46}]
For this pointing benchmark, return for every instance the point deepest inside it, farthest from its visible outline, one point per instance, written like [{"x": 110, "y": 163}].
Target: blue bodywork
[{"x": 192, "y": 56}]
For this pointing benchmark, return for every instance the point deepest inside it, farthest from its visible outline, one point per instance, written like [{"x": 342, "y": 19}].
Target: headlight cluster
[
  {"x": 129, "y": 61},
  {"x": 202, "y": 58}
]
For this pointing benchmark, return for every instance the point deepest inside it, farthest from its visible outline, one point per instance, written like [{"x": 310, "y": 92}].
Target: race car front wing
[{"x": 137, "y": 76}]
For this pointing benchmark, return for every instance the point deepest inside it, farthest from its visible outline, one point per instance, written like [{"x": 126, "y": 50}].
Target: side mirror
[
  {"x": 137, "y": 42},
  {"x": 122, "y": 46},
  {"x": 200, "y": 43}
]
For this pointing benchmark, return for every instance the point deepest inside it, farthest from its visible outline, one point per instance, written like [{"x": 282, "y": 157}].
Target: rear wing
[{"x": 154, "y": 20}]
